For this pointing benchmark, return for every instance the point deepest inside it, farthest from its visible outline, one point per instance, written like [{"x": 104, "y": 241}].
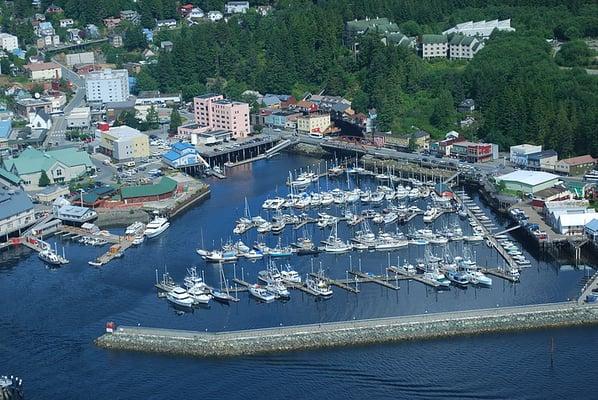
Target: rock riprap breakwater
[{"x": 360, "y": 332}]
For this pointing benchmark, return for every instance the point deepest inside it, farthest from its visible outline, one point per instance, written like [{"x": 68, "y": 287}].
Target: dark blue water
[{"x": 49, "y": 318}]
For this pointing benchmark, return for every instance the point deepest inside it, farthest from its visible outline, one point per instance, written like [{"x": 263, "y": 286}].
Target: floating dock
[
  {"x": 415, "y": 277},
  {"x": 343, "y": 284},
  {"x": 380, "y": 280},
  {"x": 347, "y": 333}
]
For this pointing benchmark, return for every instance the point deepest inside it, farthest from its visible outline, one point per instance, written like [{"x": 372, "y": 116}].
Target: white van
[{"x": 130, "y": 164}]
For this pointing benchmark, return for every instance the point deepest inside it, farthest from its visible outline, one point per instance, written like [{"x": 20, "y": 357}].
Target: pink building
[{"x": 213, "y": 111}]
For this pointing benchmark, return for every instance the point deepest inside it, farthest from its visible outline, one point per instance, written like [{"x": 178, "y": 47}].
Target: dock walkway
[
  {"x": 380, "y": 280},
  {"x": 336, "y": 282},
  {"x": 588, "y": 288},
  {"x": 415, "y": 277}
]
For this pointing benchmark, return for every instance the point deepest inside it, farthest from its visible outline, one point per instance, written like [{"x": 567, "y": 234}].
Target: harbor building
[
  {"x": 60, "y": 166},
  {"x": 570, "y": 217},
  {"x": 528, "y": 181},
  {"x": 576, "y": 165},
  {"x": 215, "y": 112},
  {"x": 16, "y": 211},
  {"x": 182, "y": 155},
  {"x": 591, "y": 230},
  {"x": 75, "y": 215},
  {"x": 161, "y": 190},
  {"x": 107, "y": 86},
  {"x": 519, "y": 153},
  {"x": 313, "y": 124},
  {"x": 123, "y": 143}
]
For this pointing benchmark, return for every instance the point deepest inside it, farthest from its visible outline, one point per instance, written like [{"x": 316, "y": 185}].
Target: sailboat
[
  {"x": 334, "y": 244},
  {"x": 223, "y": 295}
]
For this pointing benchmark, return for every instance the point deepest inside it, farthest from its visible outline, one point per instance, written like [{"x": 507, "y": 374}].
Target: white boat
[
  {"x": 261, "y": 293},
  {"x": 134, "y": 229},
  {"x": 290, "y": 275},
  {"x": 430, "y": 214},
  {"x": 138, "y": 240},
  {"x": 199, "y": 295},
  {"x": 473, "y": 238},
  {"x": 278, "y": 289},
  {"x": 253, "y": 254},
  {"x": 437, "y": 276},
  {"x": 327, "y": 199},
  {"x": 264, "y": 228},
  {"x": 156, "y": 227},
  {"x": 180, "y": 297},
  {"x": 50, "y": 257},
  {"x": 319, "y": 286},
  {"x": 478, "y": 278},
  {"x": 334, "y": 244}
]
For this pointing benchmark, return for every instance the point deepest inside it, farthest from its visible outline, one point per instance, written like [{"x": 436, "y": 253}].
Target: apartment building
[
  {"x": 434, "y": 46},
  {"x": 463, "y": 47},
  {"x": 8, "y": 42},
  {"x": 107, "y": 86},
  {"x": 216, "y": 112}
]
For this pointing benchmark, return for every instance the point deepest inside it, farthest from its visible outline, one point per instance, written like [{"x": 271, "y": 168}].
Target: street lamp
[{"x": 81, "y": 191}]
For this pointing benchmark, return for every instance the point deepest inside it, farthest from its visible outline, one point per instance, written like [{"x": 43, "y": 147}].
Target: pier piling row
[{"x": 361, "y": 332}]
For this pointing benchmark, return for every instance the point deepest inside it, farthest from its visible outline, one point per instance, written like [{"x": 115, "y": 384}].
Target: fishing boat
[
  {"x": 305, "y": 246},
  {"x": 334, "y": 244},
  {"x": 265, "y": 227},
  {"x": 49, "y": 256},
  {"x": 390, "y": 218},
  {"x": 223, "y": 294},
  {"x": 436, "y": 275},
  {"x": 327, "y": 199},
  {"x": 477, "y": 277},
  {"x": 192, "y": 279},
  {"x": 199, "y": 295},
  {"x": 459, "y": 278},
  {"x": 406, "y": 268},
  {"x": 156, "y": 227},
  {"x": 270, "y": 274},
  {"x": 253, "y": 254},
  {"x": 261, "y": 293},
  {"x": 430, "y": 214},
  {"x": 280, "y": 251},
  {"x": 318, "y": 286},
  {"x": 290, "y": 275},
  {"x": 180, "y": 297},
  {"x": 279, "y": 290}
]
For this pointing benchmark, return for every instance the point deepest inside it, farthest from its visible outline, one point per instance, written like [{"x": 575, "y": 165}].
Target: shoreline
[{"x": 349, "y": 333}]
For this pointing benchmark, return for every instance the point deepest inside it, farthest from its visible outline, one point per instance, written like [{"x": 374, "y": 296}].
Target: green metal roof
[
  {"x": 9, "y": 176},
  {"x": 432, "y": 39},
  {"x": 376, "y": 24},
  {"x": 32, "y": 160},
  {"x": 462, "y": 40},
  {"x": 166, "y": 185},
  {"x": 71, "y": 157}
]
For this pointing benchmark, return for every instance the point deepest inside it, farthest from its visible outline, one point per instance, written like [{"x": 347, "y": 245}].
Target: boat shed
[{"x": 528, "y": 181}]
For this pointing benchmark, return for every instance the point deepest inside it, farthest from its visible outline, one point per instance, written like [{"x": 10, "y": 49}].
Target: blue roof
[
  {"x": 171, "y": 155},
  {"x": 180, "y": 146},
  {"x": 271, "y": 100},
  {"x": 5, "y": 128},
  {"x": 13, "y": 202},
  {"x": 592, "y": 225}
]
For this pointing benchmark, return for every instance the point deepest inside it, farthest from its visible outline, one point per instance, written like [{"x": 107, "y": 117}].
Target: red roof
[
  {"x": 587, "y": 159},
  {"x": 41, "y": 66}
]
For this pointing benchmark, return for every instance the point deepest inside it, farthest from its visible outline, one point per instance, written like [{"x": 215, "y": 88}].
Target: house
[
  {"x": 44, "y": 29},
  {"x": 59, "y": 165},
  {"x": 214, "y": 111},
  {"x": 528, "y": 181},
  {"x": 182, "y": 155},
  {"x": 422, "y": 139},
  {"x": 327, "y": 103},
  {"x": 215, "y": 16},
  {"x": 211, "y": 137},
  {"x": 123, "y": 143},
  {"x": 79, "y": 118},
  {"x": 73, "y": 215},
  {"x": 66, "y": 23},
  {"x": 40, "y": 120},
  {"x": 466, "y": 105},
  {"x": 195, "y": 13},
  {"x": 542, "y": 161},
  {"x": 8, "y": 42},
  {"x": 166, "y": 45},
  {"x": 111, "y": 22},
  {"x": 74, "y": 34},
  {"x": 576, "y": 165},
  {"x": 305, "y": 106},
  {"x": 279, "y": 119},
  {"x": 148, "y": 53},
  {"x": 548, "y": 195},
  {"x": 54, "y": 9},
  {"x": 44, "y": 71},
  {"x": 92, "y": 31},
  {"x": 166, "y": 23},
  {"x": 519, "y": 153},
  {"x": 443, "y": 147},
  {"x": 463, "y": 47},
  {"x": 434, "y": 46},
  {"x": 270, "y": 101},
  {"x": 50, "y": 193},
  {"x": 131, "y": 16},
  {"x": 47, "y": 41},
  {"x": 481, "y": 29},
  {"x": 573, "y": 222},
  {"x": 236, "y": 7},
  {"x": 263, "y": 10},
  {"x": 16, "y": 211}
]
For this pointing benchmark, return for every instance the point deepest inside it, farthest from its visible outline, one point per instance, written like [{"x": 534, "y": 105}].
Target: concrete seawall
[{"x": 361, "y": 332}]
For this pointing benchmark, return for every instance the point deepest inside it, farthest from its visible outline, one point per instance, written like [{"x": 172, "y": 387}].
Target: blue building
[
  {"x": 149, "y": 34},
  {"x": 279, "y": 118},
  {"x": 183, "y": 155}
]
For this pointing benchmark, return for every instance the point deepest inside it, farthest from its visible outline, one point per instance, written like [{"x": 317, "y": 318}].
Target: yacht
[
  {"x": 156, "y": 227},
  {"x": 459, "y": 278},
  {"x": 327, "y": 199},
  {"x": 199, "y": 295},
  {"x": 437, "y": 276},
  {"x": 138, "y": 240},
  {"x": 305, "y": 247},
  {"x": 253, "y": 254},
  {"x": 134, "y": 228},
  {"x": 192, "y": 279},
  {"x": 264, "y": 228},
  {"x": 430, "y": 214},
  {"x": 478, "y": 278},
  {"x": 390, "y": 218},
  {"x": 180, "y": 297},
  {"x": 261, "y": 293},
  {"x": 319, "y": 286},
  {"x": 407, "y": 268},
  {"x": 290, "y": 275},
  {"x": 51, "y": 257},
  {"x": 278, "y": 289}
]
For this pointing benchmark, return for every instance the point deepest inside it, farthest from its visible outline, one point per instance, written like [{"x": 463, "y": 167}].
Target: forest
[{"x": 523, "y": 91}]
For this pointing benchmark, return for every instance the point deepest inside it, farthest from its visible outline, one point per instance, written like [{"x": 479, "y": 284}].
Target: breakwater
[{"x": 361, "y": 332}]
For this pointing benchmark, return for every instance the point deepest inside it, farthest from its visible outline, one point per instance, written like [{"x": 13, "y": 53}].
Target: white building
[
  {"x": 8, "y": 42},
  {"x": 572, "y": 222},
  {"x": 464, "y": 47},
  {"x": 124, "y": 143},
  {"x": 107, "y": 86},
  {"x": 166, "y": 23},
  {"x": 215, "y": 16},
  {"x": 66, "y": 23},
  {"x": 79, "y": 117},
  {"x": 16, "y": 211},
  {"x": 434, "y": 46},
  {"x": 481, "y": 28},
  {"x": 519, "y": 153},
  {"x": 236, "y": 7},
  {"x": 40, "y": 120}
]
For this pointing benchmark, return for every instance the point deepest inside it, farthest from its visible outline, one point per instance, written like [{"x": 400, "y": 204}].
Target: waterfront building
[
  {"x": 528, "y": 181},
  {"x": 123, "y": 143},
  {"x": 544, "y": 160},
  {"x": 519, "y": 153},
  {"x": 8, "y": 42},
  {"x": 60, "y": 166},
  {"x": 79, "y": 117},
  {"x": 74, "y": 215},
  {"x": 570, "y": 222},
  {"x": 107, "y": 85},
  {"x": 182, "y": 155},
  {"x": 434, "y": 46},
  {"x": 211, "y": 137},
  {"x": 16, "y": 211},
  {"x": 50, "y": 193},
  {"x": 215, "y": 112},
  {"x": 474, "y": 152},
  {"x": 576, "y": 165},
  {"x": 279, "y": 119},
  {"x": 591, "y": 230},
  {"x": 236, "y": 7},
  {"x": 43, "y": 71},
  {"x": 482, "y": 29},
  {"x": 161, "y": 190},
  {"x": 314, "y": 124}
]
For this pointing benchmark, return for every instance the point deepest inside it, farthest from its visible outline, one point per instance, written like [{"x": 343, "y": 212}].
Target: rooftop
[
  {"x": 75, "y": 211},
  {"x": 531, "y": 178},
  {"x": 434, "y": 39},
  {"x": 586, "y": 159},
  {"x": 5, "y": 128},
  {"x": 165, "y": 185},
  {"x": 13, "y": 202},
  {"x": 377, "y": 24},
  {"x": 542, "y": 154},
  {"x": 592, "y": 225},
  {"x": 41, "y": 66},
  {"x": 32, "y": 160},
  {"x": 124, "y": 131}
]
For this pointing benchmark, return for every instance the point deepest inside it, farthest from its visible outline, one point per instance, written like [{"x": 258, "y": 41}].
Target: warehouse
[{"x": 528, "y": 181}]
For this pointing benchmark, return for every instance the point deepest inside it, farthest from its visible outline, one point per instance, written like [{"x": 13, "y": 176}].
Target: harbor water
[{"x": 49, "y": 317}]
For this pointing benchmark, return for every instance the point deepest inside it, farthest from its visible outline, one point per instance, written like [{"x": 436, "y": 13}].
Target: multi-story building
[
  {"x": 182, "y": 155},
  {"x": 481, "y": 29},
  {"x": 543, "y": 161},
  {"x": 131, "y": 16},
  {"x": 123, "y": 143},
  {"x": 519, "y": 153},
  {"x": 464, "y": 47},
  {"x": 576, "y": 165},
  {"x": 236, "y": 7},
  {"x": 215, "y": 112},
  {"x": 474, "y": 152},
  {"x": 24, "y": 107},
  {"x": 434, "y": 46},
  {"x": 8, "y": 42},
  {"x": 45, "y": 29},
  {"x": 314, "y": 124},
  {"x": 279, "y": 119},
  {"x": 44, "y": 71},
  {"x": 79, "y": 118},
  {"x": 107, "y": 86},
  {"x": 354, "y": 29},
  {"x": 16, "y": 211}
]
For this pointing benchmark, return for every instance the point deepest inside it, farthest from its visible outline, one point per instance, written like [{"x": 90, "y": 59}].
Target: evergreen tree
[
  {"x": 175, "y": 120},
  {"x": 43, "y": 179}
]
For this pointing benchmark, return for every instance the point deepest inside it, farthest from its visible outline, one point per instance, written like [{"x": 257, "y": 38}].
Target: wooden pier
[
  {"x": 380, "y": 280},
  {"x": 415, "y": 277},
  {"x": 500, "y": 274},
  {"x": 336, "y": 282}
]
